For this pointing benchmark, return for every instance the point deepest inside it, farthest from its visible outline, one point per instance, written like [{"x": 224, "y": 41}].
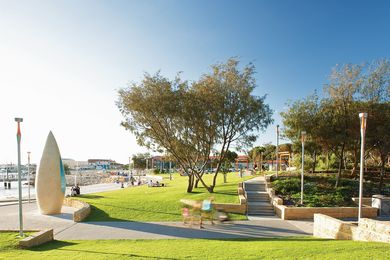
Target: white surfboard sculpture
[{"x": 50, "y": 181}]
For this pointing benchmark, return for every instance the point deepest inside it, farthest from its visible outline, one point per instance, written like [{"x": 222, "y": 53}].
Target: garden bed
[{"x": 319, "y": 190}]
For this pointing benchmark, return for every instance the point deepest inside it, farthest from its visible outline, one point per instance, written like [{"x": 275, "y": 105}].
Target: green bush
[{"x": 319, "y": 190}]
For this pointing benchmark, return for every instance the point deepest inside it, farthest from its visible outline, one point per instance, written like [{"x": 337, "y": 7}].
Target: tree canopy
[
  {"x": 190, "y": 120},
  {"x": 332, "y": 122}
]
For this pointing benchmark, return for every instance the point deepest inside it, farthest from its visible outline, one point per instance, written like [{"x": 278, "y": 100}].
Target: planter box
[{"x": 291, "y": 213}]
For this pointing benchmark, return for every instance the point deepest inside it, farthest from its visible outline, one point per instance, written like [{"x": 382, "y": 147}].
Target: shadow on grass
[
  {"x": 91, "y": 196},
  {"x": 56, "y": 244},
  {"x": 115, "y": 254},
  {"x": 100, "y": 215},
  {"x": 61, "y": 245}
]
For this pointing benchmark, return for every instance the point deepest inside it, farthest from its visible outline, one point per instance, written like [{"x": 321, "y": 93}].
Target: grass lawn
[
  {"x": 276, "y": 248},
  {"x": 158, "y": 203}
]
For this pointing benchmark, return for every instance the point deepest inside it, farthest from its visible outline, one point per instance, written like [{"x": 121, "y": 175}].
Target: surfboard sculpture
[{"x": 50, "y": 181}]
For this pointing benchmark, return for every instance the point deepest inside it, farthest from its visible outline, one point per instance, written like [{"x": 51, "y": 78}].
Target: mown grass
[
  {"x": 274, "y": 248},
  {"x": 158, "y": 203}
]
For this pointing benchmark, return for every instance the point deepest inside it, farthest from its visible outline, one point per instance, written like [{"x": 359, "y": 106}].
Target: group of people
[
  {"x": 200, "y": 211},
  {"x": 75, "y": 191}
]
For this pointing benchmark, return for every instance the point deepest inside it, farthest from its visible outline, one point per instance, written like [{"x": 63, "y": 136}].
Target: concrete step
[
  {"x": 257, "y": 196},
  {"x": 259, "y": 204},
  {"x": 261, "y": 214}
]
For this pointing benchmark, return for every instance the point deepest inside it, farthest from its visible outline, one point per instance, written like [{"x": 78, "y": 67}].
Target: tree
[
  {"x": 304, "y": 115},
  {"x": 139, "y": 160},
  {"x": 67, "y": 169},
  {"x": 256, "y": 155},
  {"x": 190, "y": 120},
  {"x": 230, "y": 157},
  {"x": 376, "y": 96}
]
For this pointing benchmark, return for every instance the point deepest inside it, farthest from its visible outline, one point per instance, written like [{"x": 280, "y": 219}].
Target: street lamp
[
  {"x": 363, "y": 124},
  {"x": 303, "y": 138},
  {"x": 19, "y": 137},
  {"x": 28, "y": 174},
  {"x": 277, "y": 150}
]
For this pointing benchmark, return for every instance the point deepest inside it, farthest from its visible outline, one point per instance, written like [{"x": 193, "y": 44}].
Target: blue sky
[{"x": 64, "y": 60}]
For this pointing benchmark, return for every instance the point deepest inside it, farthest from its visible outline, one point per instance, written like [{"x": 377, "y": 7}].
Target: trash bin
[{"x": 382, "y": 203}]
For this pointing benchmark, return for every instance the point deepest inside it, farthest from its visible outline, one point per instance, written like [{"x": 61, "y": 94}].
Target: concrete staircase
[{"x": 257, "y": 198}]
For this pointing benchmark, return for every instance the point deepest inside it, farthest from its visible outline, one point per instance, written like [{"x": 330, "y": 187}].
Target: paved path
[{"x": 65, "y": 228}]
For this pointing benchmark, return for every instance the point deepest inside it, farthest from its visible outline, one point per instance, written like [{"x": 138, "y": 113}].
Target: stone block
[{"x": 37, "y": 238}]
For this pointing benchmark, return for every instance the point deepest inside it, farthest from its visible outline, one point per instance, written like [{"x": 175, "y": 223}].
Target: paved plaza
[{"x": 66, "y": 229}]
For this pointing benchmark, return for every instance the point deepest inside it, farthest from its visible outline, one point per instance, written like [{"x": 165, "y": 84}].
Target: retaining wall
[
  {"x": 37, "y": 238},
  {"x": 83, "y": 209},
  {"x": 365, "y": 230}
]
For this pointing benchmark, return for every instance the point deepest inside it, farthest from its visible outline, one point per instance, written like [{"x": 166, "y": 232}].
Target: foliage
[
  {"x": 332, "y": 123},
  {"x": 67, "y": 169},
  {"x": 320, "y": 190},
  {"x": 139, "y": 160},
  {"x": 191, "y": 120}
]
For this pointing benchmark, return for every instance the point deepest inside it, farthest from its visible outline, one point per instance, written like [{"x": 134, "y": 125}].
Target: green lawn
[
  {"x": 276, "y": 248},
  {"x": 157, "y": 203}
]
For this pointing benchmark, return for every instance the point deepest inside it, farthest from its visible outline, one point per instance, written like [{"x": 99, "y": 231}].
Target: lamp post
[
  {"x": 18, "y": 137},
  {"x": 303, "y": 138},
  {"x": 277, "y": 150},
  {"x": 28, "y": 174},
  {"x": 363, "y": 124}
]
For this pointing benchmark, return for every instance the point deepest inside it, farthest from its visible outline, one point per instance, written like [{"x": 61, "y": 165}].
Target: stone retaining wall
[
  {"x": 83, "y": 209},
  {"x": 366, "y": 230},
  {"x": 37, "y": 238}
]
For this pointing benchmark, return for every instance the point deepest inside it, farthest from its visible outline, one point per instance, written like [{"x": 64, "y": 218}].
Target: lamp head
[
  {"x": 18, "y": 119},
  {"x": 303, "y": 135},
  {"x": 363, "y": 120}
]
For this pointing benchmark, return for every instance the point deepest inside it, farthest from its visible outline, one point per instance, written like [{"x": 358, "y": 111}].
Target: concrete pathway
[{"x": 66, "y": 229}]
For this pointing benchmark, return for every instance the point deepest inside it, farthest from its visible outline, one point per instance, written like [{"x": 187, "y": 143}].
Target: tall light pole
[
  {"x": 28, "y": 174},
  {"x": 19, "y": 137},
  {"x": 303, "y": 138},
  {"x": 129, "y": 163},
  {"x": 363, "y": 124},
  {"x": 277, "y": 150}
]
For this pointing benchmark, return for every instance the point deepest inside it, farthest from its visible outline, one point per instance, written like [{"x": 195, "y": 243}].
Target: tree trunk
[
  {"x": 197, "y": 180},
  {"x": 340, "y": 166},
  {"x": 224, "y": 177},
  {"x": 190, "y": 183},
  {"x": 327, "y": 161},
  {"x": 315, "y": 162},
  {"x": 355, "y": 155},
  {"x": 383, "y": 162}
]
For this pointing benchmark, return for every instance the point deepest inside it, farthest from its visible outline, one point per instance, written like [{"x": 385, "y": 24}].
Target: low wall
[
  {"x": 230, "y": 208},
  {"x": 366, "y": 230},
  {"x": 291, "y": 213},
  {"x": 328, "y": 227},
  {"x": 366, "y": 201},
  {"x": 372, "y": 230},
  {"x": 37, "y": 238},
  {"x": 234, "y": 208},
  {"x": 83, "y": 209}
]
